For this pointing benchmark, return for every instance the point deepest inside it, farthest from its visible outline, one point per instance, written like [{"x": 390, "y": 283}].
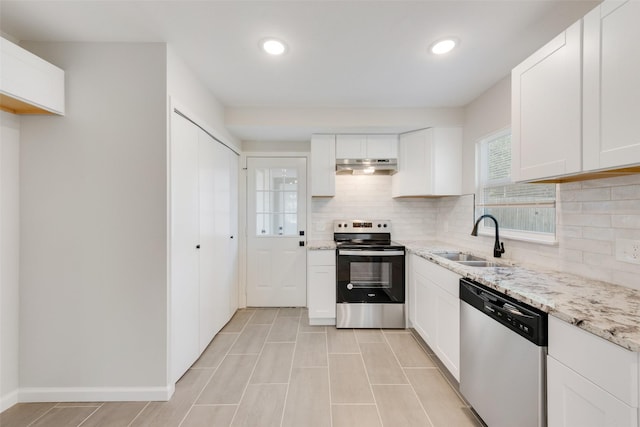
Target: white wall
[
  {"x": 93, "y": 229},
  {"x": 298, "y": 124},
  {"x": 369, "y": 197},
  {"x": 188, "y": 90},
  {"x": 592, "y": 215},
  {"x": 9, "y": 258},
  {"x": 488, "y": 113}
]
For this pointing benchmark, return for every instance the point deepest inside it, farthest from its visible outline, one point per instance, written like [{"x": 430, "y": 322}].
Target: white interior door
[
  {"x": 276, "y": 218},
  {"x": 232, "y": 243},
  {"x": 185, "y": 235}
]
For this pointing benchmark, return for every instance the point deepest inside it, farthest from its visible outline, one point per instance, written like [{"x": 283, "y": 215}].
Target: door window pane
[{"x": 276, "y": 202}]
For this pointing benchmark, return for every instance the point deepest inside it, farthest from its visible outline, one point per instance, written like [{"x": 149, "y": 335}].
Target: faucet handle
[{"x": 498, "y": 250}]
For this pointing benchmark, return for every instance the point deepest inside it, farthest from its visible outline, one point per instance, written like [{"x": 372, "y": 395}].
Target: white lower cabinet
[
  {"x": 575, "y": 401},
  {"x": 321, "y": 287},
  {"x": 434, "y": 310},
  {"x": 590, "y": 381}
]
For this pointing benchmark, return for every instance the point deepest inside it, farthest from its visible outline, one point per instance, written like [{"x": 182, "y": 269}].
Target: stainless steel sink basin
[
  {"x": 467, "y": 259},
  {"x": 480, "y": 263},
  {"x": 459, "y": 257}
]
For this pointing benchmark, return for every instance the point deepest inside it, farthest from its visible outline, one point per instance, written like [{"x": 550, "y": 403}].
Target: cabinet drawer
[
  {"x": 322, "y": 257},
  {"x": 610, "y": 366},
  {"x": 443, "y": 278}
]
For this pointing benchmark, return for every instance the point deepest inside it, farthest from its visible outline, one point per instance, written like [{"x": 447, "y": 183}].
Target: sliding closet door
[
  {"x": 185, "y": 236},
  {"x": 210, "y": 298}
]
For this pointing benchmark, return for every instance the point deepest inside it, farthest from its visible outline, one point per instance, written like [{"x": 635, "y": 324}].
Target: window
[
  {"x": 276, "y": 202},
  {"x": 523, "y": 211}
]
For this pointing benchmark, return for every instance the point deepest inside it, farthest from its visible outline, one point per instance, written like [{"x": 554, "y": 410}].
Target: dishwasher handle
[{"x": 505, "y": 308}]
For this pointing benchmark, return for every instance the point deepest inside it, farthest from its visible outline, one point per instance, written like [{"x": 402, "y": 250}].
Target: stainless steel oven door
[{"x": 370, "y": 276}]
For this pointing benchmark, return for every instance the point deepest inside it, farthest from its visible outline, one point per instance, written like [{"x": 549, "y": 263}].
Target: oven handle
[{"x": 369, "y": 253}]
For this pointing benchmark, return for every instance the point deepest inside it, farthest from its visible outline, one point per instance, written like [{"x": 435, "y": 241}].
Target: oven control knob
[{"x": 349, "y": 286}]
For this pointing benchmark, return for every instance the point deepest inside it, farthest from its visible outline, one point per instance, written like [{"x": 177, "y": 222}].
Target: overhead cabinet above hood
[
  {"x": 366, "y": 166},
  {"x": 367, "y": 154}
]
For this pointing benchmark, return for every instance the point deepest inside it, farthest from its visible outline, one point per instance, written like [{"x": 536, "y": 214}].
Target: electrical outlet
[{"x": 628, "y": 250}]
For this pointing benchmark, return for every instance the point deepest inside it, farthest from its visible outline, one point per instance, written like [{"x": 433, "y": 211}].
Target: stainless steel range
[{"x": 370, "y": 288}]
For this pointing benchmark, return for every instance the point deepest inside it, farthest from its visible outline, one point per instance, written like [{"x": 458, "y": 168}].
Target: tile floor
[{"x": 268, "y": 367}]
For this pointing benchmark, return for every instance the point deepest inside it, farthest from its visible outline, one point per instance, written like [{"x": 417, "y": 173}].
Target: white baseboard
[
  {"x": 95, "y": 394},
  {"x": 8, "y": 400},
  {"x": 322, "y": 321}
]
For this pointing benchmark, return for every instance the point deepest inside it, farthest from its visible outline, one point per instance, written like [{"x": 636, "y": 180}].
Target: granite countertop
[
  {"x": 604, "y": 309},
  {"x": 321, "y": 245}
]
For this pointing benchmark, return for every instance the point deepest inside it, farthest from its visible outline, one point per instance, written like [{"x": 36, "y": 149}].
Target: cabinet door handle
[
  {"x": 197, "y": 246},
  {"x": 231, "y": 237},
  {"x": 301, "y": 243}
]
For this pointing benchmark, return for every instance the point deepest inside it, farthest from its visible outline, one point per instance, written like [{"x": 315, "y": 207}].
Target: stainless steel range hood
[{"x": 366, "y": 166}]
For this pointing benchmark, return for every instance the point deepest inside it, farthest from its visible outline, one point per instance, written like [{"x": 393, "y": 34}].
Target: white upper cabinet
[
  {"x": 546, "y": 110},
  {"x": 29, "y": 84},
  {"x": 611, "y": 85},
  {"x": 351, "y": 146},
  {"x": 323, "y": 165},
  {"x": 575, "y": 101},
  {"x": 367, "y": 146},
  {"x": 382, "y": 146},
  {"x": 429, "y": 163}
]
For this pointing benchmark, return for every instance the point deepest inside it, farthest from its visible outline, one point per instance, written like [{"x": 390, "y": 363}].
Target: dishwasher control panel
[
  {"x": 521, "y": 318},
  {"x": 509, "y": 319}
]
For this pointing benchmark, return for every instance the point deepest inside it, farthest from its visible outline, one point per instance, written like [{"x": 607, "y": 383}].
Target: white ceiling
[{"x": 358, "y": 54}]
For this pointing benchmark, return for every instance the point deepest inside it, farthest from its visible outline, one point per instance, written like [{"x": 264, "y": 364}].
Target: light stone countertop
[
  {"x": 321, "y": 245},
  {"x": 604, "y": 309}
]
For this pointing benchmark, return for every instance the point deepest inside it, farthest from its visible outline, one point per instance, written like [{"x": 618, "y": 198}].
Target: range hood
[{"x": 366, "y": 166}]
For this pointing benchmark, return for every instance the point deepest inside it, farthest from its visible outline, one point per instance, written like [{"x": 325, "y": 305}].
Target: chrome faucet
[{"x": 498, "y": 247}]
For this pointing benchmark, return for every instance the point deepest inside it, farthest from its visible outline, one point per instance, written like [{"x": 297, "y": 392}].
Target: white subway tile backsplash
[
  {"x": 369, "y": 197},
  {"x": 617, "y": 207},
  {"x": 595, "y": 233},
  {"x": 625, "y": 192},
  {"x": 625, "y": 221},
  {"x": 582, "y": 195},
  {"x": 591, "y": 216},
  {"x": 592, "y": 246},
  {"x": 569, "y": 231},
  {"x": 629, "y": 279},
  {"x": 585, "y": 220},
  {"x": 611, "y": 182},
  {"x": 570, "y": 207}
]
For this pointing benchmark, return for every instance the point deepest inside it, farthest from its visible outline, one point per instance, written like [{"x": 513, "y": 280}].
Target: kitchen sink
[
  {"x": 467, "y": 259},
  {"x": 459, "y": 257},
  {"x": 483, "y": 263}
]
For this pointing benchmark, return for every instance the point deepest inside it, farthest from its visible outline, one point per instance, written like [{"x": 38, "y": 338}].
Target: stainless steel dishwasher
[{"x": 503, "y": 347}]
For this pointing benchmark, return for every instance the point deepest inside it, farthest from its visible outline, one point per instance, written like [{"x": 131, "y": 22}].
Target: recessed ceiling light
[
  {"x": 273, "y": 46},
  {"x": 443, "y": 46}
]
